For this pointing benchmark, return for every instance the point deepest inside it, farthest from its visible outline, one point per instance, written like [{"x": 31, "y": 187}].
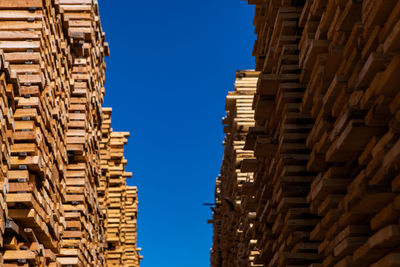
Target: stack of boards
[
  {"x": 229, "y": 225},
  {"x": 63, "y": 194},
  {"x": 119, "y": 201},
  {"x": 326, "y": 165}
]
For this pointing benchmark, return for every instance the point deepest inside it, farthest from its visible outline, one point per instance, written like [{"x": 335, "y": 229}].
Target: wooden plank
[{"x": 20, "y": 4}]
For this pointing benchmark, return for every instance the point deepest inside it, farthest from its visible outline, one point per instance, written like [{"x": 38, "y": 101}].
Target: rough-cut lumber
[
  {"x": 326, "y": 140},
  {"x": 118, "y": 201},
  {"x": 57, "y": 178},
  {"x": 231, "y": 193}
]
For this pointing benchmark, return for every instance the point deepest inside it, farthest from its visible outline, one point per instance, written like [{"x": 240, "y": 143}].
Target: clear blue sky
[{"x": 171, "y": 66}]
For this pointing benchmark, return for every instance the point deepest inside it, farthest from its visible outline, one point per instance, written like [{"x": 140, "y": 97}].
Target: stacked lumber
[
  {"x": 131, "y": 255},
  {"x": 51, "y": 90},
  {"x": 118, "y": 201},
  {"x": 233, "y": 234},
  {"x": 326, "y": 135},
  {"x": 282, "y": 180},
  {"x": 354, "y": 143},
  {"x": 36, "y": 152},
  {"x": 87, "y": 67}
]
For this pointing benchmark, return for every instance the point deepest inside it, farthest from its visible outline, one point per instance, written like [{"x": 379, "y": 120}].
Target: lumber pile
[
  {"x": 326, "y": 135},
  {"x": 233, "y": 238},
  {"x": 131, "y": 256},
  {"x": 119, "y": 201},
  {"x": 51, "y": 92}
]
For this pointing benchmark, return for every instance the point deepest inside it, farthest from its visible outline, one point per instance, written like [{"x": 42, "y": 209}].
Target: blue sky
[{"x": 171, "y": 66}]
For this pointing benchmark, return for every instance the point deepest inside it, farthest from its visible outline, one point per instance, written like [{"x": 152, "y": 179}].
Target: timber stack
[
  {"x": 119, "y": 201},
  {"x": 326, "y": 137},
  {"x": 233, "y": 207},
  {"x": 60, "y": 166}
]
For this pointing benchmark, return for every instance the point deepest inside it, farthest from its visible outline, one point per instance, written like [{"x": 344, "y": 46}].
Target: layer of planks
[
  {"x": 59, "y": 158},
  {"x": 326, "y": 164},
  {"x": 119, "y": 200},
  {"x": 232, "y": 226}
]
